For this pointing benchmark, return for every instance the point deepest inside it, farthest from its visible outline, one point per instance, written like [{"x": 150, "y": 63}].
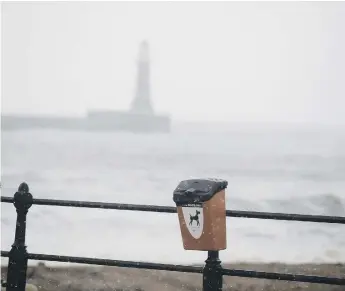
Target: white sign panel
[{"x": 193, "y": 215}]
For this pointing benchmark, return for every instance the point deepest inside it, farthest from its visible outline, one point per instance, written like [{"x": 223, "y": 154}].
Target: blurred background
[{"x": 251, "y": 92}]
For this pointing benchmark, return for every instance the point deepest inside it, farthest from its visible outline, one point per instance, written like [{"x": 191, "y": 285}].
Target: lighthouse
[
  {"x": 141, "y": 117},
  {"x": 141, "y": 103}
]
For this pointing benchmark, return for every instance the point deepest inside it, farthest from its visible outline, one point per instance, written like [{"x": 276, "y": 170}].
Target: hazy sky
[{"x": 243, "y": 61}]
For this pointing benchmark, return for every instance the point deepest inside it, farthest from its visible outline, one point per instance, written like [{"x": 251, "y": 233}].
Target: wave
[{"x": 320, "y": 204}]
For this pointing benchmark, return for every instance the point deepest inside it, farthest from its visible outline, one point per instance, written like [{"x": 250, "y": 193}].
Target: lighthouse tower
[{"x": 141, "y": 103}]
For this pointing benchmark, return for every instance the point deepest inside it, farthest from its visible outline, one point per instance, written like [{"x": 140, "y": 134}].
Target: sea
[{"x": 285, "y": 168}]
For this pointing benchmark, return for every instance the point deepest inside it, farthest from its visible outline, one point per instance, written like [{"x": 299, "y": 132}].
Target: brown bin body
[{"x": 210, "y": 234}]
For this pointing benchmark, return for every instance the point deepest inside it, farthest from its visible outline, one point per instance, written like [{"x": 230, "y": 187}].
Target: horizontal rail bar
[
  {"x": 101, "y": 205},
  {"x": 284, "y": 277},
  {"x": 185, "y": 269},
  {"x": 113, "y": 263},
  {"x": 171, "y": 209},
  {"x": 286, "y": 216},
  {"x": 7, "y": 199}
]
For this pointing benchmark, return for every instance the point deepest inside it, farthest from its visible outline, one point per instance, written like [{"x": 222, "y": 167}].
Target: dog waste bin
[{"x": 201, "y": 212}]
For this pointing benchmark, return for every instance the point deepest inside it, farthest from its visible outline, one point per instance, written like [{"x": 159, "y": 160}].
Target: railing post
[
  {"x": 18, "y": 261},
  {"x": 212, "y": 274}
]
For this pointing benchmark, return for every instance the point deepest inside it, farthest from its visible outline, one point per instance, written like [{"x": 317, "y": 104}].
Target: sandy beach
[{"x": 87, "y": 278}]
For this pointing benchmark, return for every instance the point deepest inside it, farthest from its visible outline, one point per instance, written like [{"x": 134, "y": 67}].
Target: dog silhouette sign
[{"x": 193, "y": 215}]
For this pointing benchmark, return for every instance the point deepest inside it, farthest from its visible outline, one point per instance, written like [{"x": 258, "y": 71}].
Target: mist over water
[
  {"x": 292, "y": 170},
  {"x": 259, "y": 69}
]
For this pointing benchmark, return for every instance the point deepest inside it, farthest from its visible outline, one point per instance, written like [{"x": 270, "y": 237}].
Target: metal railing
[{"x": 212, "y": 271}]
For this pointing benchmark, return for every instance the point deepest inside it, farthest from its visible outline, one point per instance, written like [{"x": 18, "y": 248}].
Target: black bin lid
[{"x": 197, "y": 190}]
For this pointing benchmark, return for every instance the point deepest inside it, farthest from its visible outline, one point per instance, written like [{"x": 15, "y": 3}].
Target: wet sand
[{"x": 90, "y": 278}]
